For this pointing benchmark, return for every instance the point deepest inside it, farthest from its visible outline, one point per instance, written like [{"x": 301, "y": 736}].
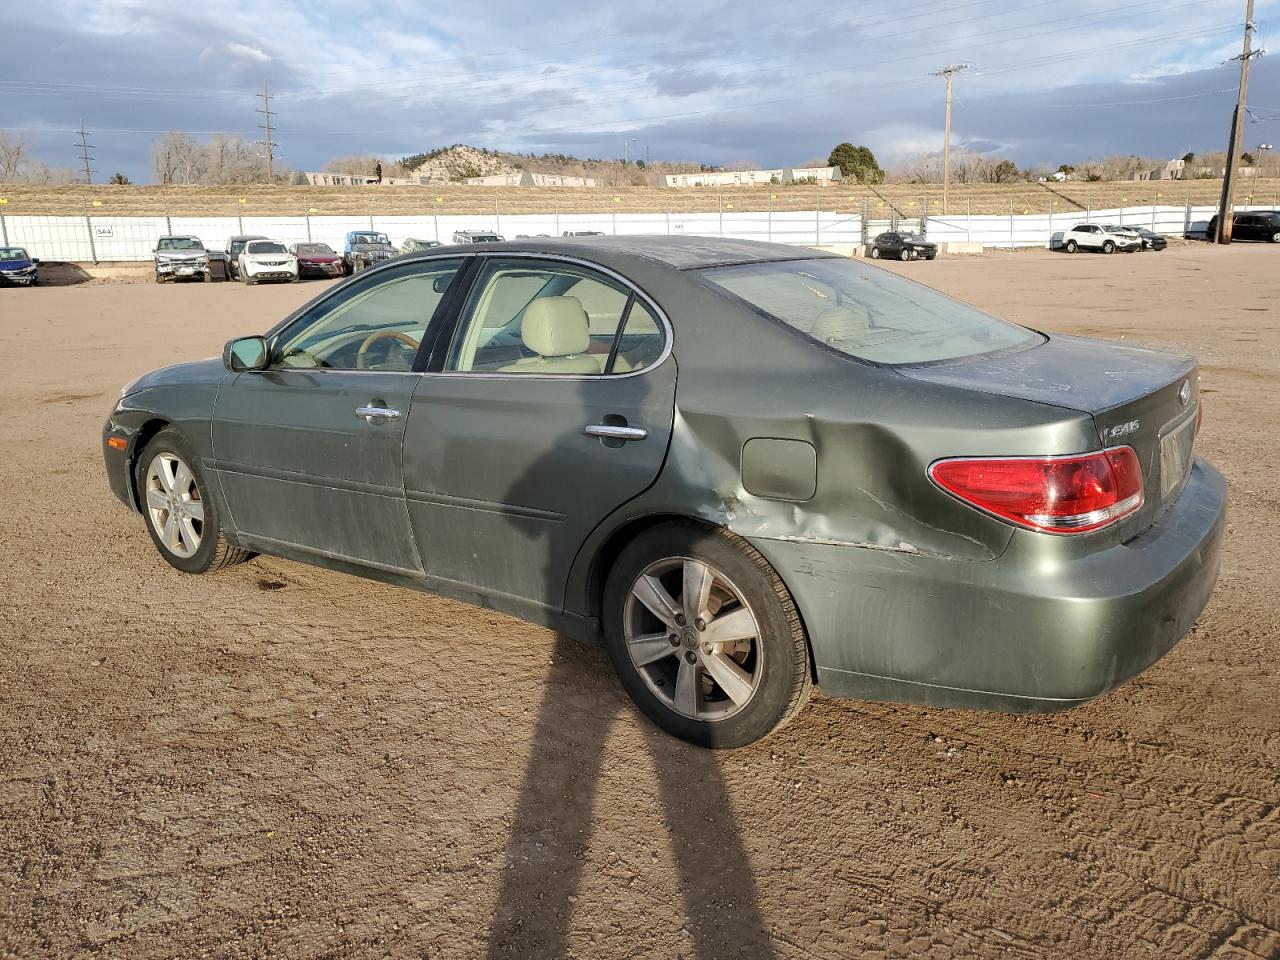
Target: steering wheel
[{"x": 371, "y": 339}]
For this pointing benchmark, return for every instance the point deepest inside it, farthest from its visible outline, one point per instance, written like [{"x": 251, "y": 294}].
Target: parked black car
[
  {"x": 1150, "y": 239},
  {"x": 1255, "y": 225},
  {"x": 902, "y": 245}
]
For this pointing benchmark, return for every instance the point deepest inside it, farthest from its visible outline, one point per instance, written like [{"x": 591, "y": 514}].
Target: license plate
[
  {"x": 1175, "y": 456},
  {"x": 186, "y": 271}
]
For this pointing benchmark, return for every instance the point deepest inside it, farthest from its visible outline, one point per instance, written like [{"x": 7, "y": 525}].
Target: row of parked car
[{"x": 253, "y": 259}]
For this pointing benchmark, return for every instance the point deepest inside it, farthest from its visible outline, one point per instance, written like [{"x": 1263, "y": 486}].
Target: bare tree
[
  {"x": 13, "y": 152},
  {"x": 354, "y": 164},
  {"x": 178, "y": 158}
]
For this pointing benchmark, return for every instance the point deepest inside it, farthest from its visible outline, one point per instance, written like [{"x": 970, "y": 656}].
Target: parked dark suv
[
  {"x": 1254, "y": 225},
  {"x": 233, "y": 249}
]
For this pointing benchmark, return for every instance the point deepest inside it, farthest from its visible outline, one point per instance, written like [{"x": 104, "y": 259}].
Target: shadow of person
[{"x": 552, "y": 826}]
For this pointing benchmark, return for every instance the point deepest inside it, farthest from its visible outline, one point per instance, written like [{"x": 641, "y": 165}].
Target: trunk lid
[{"x": 1144, "y": 399}]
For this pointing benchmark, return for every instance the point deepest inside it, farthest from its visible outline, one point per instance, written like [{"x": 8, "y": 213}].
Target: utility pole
[
  {"x": 267, "y": 143},
  {"x": 1226, "y": 205},
  {"x": 949, "y": 71},
  {"x": 85, "y": 147}
]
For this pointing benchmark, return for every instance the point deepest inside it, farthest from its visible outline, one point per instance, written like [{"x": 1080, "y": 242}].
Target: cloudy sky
[{"x": 703, "y": 80}]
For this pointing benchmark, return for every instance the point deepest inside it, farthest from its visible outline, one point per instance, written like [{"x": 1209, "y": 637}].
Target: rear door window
[
  {"x": 868, "y": 313},
  {"x": 551, "y": 318}
]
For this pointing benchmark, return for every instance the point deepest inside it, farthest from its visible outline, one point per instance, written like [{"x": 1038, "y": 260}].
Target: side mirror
[
  {"x": 245, "y": 353},
  {"x": 35, "y": 259},
  {"x": 441, "y": 283}
]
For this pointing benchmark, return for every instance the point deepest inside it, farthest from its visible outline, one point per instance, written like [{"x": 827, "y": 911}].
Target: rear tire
[
  {"x": 762, "y": 656},
  {"x": 1072, "y": 246},
  {"x": 181, "y": 517},
  {"x": 904, "y": 254},
  {"x": 1275, "y": 238},
  {"x": 875, "y": 253}
]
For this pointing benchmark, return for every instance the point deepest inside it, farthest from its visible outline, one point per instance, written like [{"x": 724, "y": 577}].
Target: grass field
[{"x": 906, "y": 199}]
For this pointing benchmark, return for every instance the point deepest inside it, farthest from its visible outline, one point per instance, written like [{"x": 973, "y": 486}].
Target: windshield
[
  {"x": 179, "y": 243},
  {"x": 13, "y": 253},
  {"x": 264, "y": 246},
  {"x": 371, "y": 238},
  {"x": 868, "y": 313},
  {"x": 315, "y": 250}
]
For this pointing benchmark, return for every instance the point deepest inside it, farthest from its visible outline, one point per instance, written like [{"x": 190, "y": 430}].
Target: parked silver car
[{"x": 181, "y": 256}]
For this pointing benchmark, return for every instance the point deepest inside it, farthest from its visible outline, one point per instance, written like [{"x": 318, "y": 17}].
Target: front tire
[
  {"x": 1108, "y": 247},
  {"x": 181, "y": 517},
  {"x": 904, "y": 254},
  {"x": 875, "y": 253},
  {"x": 1275, "y": 237},
  {"x": 738, "y": 667}
]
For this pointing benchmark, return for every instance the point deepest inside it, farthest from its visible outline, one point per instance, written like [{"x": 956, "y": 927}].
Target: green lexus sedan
[{"x": 746, "y": 469}]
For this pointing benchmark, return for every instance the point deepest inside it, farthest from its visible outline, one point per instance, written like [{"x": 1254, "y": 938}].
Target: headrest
[
  {"x": 839, "y": 323},
  {"x": 556, "y": 327}
]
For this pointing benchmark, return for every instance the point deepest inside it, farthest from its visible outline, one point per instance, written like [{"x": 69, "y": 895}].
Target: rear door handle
[
  {"x": 373, "y": 414},
  {"x": 606, "y": 431}
]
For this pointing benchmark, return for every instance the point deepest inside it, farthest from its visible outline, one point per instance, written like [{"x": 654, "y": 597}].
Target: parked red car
[{"x": 317, "y": 260}]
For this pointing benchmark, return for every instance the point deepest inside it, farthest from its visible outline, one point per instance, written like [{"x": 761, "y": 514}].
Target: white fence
[{"x": 96, "y": 239}]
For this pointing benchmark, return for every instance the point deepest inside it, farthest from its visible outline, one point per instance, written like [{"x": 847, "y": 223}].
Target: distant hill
[{"x": 457, "y": 162}]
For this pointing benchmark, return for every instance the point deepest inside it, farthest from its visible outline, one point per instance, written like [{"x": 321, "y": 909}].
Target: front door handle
[
  {"x": 607, "y": 431},
  {"x": 372, "y": 414}
]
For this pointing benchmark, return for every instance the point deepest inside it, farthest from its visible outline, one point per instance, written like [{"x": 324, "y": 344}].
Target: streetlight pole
[
  {"x": 949, "y": 71},
  {"x": 626, "y": 150}
]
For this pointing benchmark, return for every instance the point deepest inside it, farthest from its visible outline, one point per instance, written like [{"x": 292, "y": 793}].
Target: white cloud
[{"x": 246, "y": 52}]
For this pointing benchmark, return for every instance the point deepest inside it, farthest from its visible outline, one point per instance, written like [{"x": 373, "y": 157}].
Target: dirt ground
[
  {"x": 104, "y": 200},
  {"x": 281, "y": 761}
]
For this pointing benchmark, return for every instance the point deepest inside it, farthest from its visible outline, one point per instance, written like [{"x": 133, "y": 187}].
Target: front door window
[{"x": 378, "y": 325}]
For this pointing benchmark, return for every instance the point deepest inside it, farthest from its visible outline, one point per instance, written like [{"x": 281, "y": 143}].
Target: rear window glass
[{"x": 867, "y": 312}]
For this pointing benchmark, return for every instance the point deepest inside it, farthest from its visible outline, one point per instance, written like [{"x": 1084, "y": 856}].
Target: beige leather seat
[{"x": 556, "y": 329}]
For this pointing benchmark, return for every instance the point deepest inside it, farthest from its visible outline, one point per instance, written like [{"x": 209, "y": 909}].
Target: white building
[
  {"x": 526, "y": 179},
  {"x": 823, "y": 175},
  {"x": 723, "y": 178},
  {"x": 751, "y": 178}
]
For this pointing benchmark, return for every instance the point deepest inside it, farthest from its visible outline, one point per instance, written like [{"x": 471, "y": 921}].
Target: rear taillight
[{"x": 1073, "y": 494}]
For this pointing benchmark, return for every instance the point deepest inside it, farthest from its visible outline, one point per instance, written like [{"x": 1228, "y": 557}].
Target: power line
[
  {"x": 85, "y": 147},
  {"x": 1225, "y": 206},
  {"x": 268, "y": 144},
  {"x": 949, "y": 71}
]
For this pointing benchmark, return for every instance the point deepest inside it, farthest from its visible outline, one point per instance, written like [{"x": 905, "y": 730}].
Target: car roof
[{"x": 680, "y": 253}]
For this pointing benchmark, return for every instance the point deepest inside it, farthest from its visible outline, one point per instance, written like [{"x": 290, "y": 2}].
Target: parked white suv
[
  {"x": 267, "y": 260},
  {"x": 1104, "y": 237}
]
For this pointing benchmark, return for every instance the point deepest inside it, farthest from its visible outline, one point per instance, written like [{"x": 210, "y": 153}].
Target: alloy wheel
[
  {"x": 174, "y": 505},
  {"x": 693, "y": 638}
]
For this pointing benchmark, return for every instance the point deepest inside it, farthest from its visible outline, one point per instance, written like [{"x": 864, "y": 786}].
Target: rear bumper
[{"x": 1020, "y": 633}]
